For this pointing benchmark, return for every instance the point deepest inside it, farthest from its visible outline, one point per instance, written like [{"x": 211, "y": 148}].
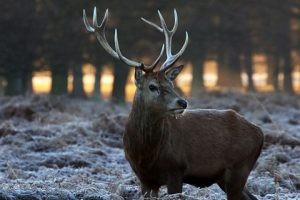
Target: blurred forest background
[{"x": 247, "y": 45}]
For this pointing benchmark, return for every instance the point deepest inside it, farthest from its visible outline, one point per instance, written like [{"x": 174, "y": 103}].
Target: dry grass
[{"x": 59, "y": 148}]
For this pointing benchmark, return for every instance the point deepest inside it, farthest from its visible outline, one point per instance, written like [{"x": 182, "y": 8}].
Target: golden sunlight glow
[
  {"x": 296, "y": 80},
  {"x": 260, "y": 73},
  {"x": 70, "y": 81},
  {"x": 41, "y": 82},
  {"x": 210, "y": 76},
  {"x": 260, "y": 70},
  {"x": 244, "y": 78},
  {"x": 88, "y": 83},
  {"x": 184, "y": 79},
  {"x": 88, "y": 78},
  {"x": 107, "y": 80},
  {"x": 130, "y": 86}
]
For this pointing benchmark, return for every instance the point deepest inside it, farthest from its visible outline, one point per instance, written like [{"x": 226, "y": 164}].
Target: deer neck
[
  {"x": 146, "y": 134},
  {"x": 150, "y": 126}
]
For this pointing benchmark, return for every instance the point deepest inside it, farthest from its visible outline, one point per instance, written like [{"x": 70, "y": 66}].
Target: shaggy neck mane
[
  {"x": 149, "y": 123},
  {"x": 149, "y": 128}
]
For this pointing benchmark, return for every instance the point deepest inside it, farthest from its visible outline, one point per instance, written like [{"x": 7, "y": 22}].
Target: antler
[
  {"x": 171, "y": 59},
  {"x": 100, "y": 34}
]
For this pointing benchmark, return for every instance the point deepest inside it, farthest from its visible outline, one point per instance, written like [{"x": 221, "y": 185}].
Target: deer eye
[{"x": 153, "y": 88}]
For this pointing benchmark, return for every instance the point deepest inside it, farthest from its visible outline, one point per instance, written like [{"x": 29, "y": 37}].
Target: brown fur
[{"x": 199, "y": 147}]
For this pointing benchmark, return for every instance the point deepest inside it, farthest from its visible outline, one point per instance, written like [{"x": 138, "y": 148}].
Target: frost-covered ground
[{"x": 59, "y": 148}]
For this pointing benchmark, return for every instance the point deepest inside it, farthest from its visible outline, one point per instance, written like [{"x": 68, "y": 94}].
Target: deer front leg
[
  {"x": 148, "y": 193},
  {"x": 174, "y": 184}
]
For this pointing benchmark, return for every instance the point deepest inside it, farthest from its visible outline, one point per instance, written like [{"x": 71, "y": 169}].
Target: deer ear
[
  {"x": 138, "y": 75},
  {"x": 173, "y": 72}
]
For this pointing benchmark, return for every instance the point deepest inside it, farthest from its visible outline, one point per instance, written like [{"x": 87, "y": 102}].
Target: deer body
[
  {"x": 166, "y": 144},
  {"x": 200, "y": 147}
]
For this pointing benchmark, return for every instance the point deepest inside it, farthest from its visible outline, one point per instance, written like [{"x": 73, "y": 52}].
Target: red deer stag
[{"x": 166, "y": 144}]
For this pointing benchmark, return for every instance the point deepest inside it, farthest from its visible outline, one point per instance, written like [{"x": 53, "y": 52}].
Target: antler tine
[
  {"x": 152, "y": 24},
  {"x": 100, "y": 34},
  {"x": 99, "y": 30},
  {"x": 95, "y": 22},
  {"x": 153, "y": 65},
  {"x": 175, "y": 21},
  {"x": 171, "y": 59},
  {"x": 134, "y": 63},
  {"x": 123, "y": 58},
  {"x": 86, "y": 22}
]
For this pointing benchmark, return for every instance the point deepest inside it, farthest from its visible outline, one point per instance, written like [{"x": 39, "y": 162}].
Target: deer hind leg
[
  {"x": 174, "y": 183},
  {"x": 233, "y": 183}
]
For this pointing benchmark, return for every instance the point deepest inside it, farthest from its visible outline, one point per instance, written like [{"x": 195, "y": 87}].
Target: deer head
[{"x": 155, "y": 87}]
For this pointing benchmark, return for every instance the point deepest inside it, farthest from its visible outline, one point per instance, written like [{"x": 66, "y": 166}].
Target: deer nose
[{"x": 182, "y": 103}]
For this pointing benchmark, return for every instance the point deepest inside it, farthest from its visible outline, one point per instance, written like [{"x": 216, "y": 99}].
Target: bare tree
[{"x": 20, "y": 38}]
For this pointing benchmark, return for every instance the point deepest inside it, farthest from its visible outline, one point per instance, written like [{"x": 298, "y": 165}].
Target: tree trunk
[
  {"x": 27, "y": 82},
  {"x": 78, "y": 90},
  {"x": 120, "y": 80},
  {"x": 234, "y": 67},
  {"x": 229, "y": 73},
  {"x": 271, "y": 66},
  {"x": 2, "y": 89},
  {"x": 276, "y": 73},
  {"x": 273, "y": 71},
  {"x": 284, "y": 49},
  {"x": 59, "y": 81},
  {"x": 97, "y": 86},
  {"x": 222, "y": 76},
  {"x": 14, "y": 84},
  {"x": 249, "y": 69},
  {"x": 286, "y": 54},
  {"x": 246, "y": 46},
  {"x": 197, "y": 81},
  {"x": 288, "y": 85}
]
